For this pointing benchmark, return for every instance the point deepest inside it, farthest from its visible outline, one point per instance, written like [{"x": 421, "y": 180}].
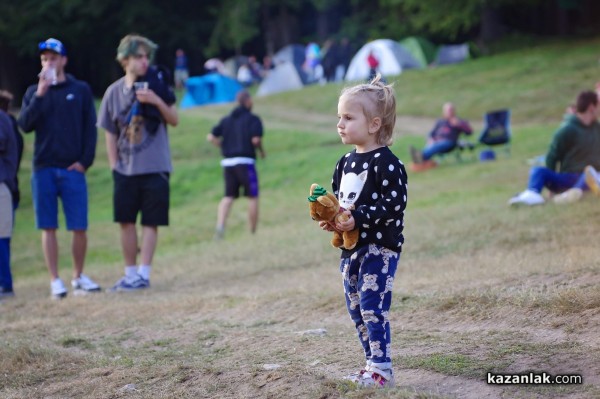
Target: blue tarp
[{"x": 209, "y": 89}]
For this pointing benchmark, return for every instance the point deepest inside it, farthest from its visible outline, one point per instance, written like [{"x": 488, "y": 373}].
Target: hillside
[{"x": 480, "y": 287}]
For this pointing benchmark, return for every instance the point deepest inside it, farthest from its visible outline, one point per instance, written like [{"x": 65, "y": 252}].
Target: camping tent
[
  {"x": 209, "y": 89},
  {"x": 392, "y": 56},
  {"x": 284, "y": 77},
  {"x": 232, "y": 64},
  {"x": 294, "y": 54},
  {"x": 422, "y": 49},
  {"x": 452, "y": 54}
]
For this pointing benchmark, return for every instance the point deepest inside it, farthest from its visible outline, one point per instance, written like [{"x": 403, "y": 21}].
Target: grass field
[{"x": 480, "y": 287}]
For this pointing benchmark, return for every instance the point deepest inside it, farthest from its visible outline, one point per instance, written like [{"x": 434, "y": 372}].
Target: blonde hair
[
  {"x": 130, "y": 44},
  {"x": 378, "y": 101}
]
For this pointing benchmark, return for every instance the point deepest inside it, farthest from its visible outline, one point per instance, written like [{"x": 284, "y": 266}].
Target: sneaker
[
  {"x": 374, "y": 378},
  {"x": 84, "y": 284},
  {"x": 423, "y": 166},
  {"x": 592, "y": 179},
  {"x": 355, "y": 377},
  {"x": 6, "y": 292},
  {"x": 58, "y": 289},
  {"x": 527, "y": 197},
  {"x": 568, "y": 197},
  {"x": 130, "y": 284},
  {"x": 416, "y": 155}
]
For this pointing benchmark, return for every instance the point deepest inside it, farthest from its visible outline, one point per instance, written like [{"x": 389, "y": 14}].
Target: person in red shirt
[{"x": 373, "y": 65}]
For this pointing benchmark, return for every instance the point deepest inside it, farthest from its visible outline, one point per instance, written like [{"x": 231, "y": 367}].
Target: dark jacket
[
  {"x": 158, "y": 82},
  {"x": 64, "y": 120},
  {"x": 443, "y": 130},
  {"x": 574, "y": 146},
  {"x": 237, "y": 130},
  {"x": 8, "y": 152},
  {"x": 16, "y": 194}
]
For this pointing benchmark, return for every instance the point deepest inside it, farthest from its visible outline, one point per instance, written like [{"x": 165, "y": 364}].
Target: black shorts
[
  {"x": 147, "y": 193},
  {"x": 241, "y": 176}
]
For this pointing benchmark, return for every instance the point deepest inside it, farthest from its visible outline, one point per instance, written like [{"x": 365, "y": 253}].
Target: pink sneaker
[{"x": 377, "y": 379}]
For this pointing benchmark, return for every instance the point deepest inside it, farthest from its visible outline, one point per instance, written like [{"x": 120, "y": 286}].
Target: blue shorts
[{"x": 47, "y": 185}]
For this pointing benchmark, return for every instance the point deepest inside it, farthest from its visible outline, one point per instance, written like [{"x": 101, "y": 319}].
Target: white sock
[
  {"x": 144, "y": 271},
  {"x": 131, "y": 272}
]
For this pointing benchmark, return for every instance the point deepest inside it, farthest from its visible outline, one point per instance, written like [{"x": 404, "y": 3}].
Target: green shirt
[{"x": 574, "y": 146}]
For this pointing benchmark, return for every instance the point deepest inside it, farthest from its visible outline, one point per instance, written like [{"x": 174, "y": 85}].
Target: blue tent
[{"x": 209, "y": 89}]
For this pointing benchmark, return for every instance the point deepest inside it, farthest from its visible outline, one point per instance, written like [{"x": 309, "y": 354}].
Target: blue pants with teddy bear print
[{"x": 368, "y": 279}]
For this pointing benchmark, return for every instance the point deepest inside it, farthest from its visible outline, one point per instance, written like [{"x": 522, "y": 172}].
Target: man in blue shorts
[
  {"x": 239, "y": 135},
  {"x": 61, "y": 110},
  {"x": 135, "y": 111}
]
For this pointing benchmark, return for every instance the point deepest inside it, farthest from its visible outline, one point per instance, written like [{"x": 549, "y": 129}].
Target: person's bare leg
[
  {"x": 50, "y": 249},
  {"x": 253, "y": 213},
  {"x": 223, "y": 213},
  {"x": 149, "y": 240},
  {"x": 78, "y": 251},
  {"x": 129, "y": 243}
]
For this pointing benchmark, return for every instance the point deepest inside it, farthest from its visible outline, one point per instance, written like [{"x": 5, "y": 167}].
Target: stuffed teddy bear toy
[{"x": 325, "y": 207}]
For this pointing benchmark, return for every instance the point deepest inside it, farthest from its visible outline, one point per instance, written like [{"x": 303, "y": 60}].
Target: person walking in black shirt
[{"x": 239, "y": 135}]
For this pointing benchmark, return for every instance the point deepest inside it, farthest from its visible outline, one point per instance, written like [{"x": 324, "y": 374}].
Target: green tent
[{"x": 422, "y": 49}]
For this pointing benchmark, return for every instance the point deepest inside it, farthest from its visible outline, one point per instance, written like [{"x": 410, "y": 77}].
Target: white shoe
[
  {"x": 373, "y": 377},
  {"x": 568, "y": 197},
  {"x": 85, "y": 284},
  {"x": 592, "y": 179},
  {"x": 527, "y": 197},
  {"x": 58, "y": 289}
]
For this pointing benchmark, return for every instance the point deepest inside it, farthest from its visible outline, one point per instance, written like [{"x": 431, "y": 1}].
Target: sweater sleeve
[
  {"x": 217, "y": 130},
  {"x": 433, "y": 131},
  {"x": 465, "y": 127},
  {"x": 257, "y": 127},
  {"x": 30, "y": 110},
  {"x": 558, "y": 148},
  {"x": 90, "y": 134},
  {"x": 392, "y": 197},
  {"x": 335, "y": 184}
]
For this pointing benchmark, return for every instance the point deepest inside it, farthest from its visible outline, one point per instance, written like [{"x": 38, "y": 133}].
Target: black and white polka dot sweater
[{"x": 376, "y": 184}]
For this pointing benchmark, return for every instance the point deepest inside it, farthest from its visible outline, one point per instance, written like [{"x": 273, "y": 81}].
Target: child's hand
[
  {"x": 325, "y": 226},
  {"x": 348, "y": 224}
]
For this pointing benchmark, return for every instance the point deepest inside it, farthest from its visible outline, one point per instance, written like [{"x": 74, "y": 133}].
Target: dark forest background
[{"x": 91, "y": 29}]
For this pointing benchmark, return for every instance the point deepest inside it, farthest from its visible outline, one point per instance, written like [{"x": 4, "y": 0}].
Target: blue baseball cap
[{"x": 53, "y": 45}]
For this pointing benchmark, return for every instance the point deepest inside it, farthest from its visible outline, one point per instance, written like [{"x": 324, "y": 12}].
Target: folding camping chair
[
  {"x": 462, "y": 147},
  {"x": 496, "y": 130}
]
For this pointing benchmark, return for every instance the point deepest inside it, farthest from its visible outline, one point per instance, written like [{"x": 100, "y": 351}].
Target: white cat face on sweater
[{"x": 350, "y": 188}]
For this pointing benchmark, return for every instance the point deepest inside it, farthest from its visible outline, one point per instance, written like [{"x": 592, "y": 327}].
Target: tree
[
  {"x": 91, "y": 33},
  {"x": 451, "y": 18},
  {"x": 237, "y": 23}
]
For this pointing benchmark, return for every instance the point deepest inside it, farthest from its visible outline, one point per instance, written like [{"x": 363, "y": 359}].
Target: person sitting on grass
[
  {"x": 590, "y": 179},
  {"x": 443, "y": 138},
  {"x": 575, "y": 145}
]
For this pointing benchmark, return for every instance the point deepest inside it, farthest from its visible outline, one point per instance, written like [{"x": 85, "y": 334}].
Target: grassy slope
[{"x": 472, "y": 269}]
